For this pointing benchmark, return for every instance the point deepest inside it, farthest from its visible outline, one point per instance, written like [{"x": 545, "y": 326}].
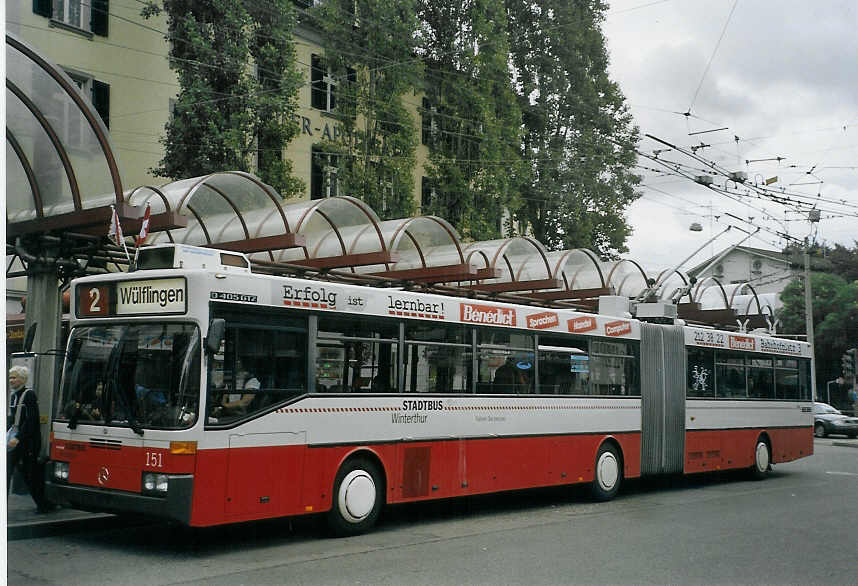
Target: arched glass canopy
[
  {"x": 338, "y": 232},
  {"x": 62, "y": 173},
  {"x": 518, "y": 264},
  {"x": 427, "y": 249},
  {"x": 579, "y": 272},
  {"x": 626, "y": 277},
  {"x": 230, "y": 210}
]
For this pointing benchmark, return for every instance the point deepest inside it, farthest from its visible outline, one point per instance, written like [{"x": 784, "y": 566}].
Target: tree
[
  {"x": 835, "y": 316},
  {"x": 579, "y": 136},
  {"x": 369, "y": 53},
  {"x": 238, "y": 81},
  {"x": 844, "y": 261},
  {"x": 471, "y": 117}
]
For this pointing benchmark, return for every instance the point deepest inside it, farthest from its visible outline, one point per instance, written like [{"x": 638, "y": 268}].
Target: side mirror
[
  {"x": 28, "y": 339},
  {"x": 217, "y": 329}
]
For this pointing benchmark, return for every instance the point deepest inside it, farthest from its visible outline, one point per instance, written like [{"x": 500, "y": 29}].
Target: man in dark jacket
[{"x": 23, "y": 449}]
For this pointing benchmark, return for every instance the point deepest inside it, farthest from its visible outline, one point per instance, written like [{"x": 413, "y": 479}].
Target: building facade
[
  {"x": 119, "y": 60},
  {"x": 767, "y": 271}
]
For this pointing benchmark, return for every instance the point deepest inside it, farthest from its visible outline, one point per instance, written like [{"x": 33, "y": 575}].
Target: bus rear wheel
[
  {"x": 762, "y": 460},
  {"x": 357, "y": 498},
  {"x": 608, "y": 474}
]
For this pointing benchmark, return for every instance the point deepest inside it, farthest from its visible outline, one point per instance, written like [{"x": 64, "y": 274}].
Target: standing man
[{"x": 23, "y": 439}]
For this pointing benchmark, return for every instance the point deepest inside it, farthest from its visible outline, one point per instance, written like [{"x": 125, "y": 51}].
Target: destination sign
[{"x": 151, "y": 296}]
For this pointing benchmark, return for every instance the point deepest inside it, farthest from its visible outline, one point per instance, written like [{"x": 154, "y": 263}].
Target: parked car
[{"x": 827, "y": 420}]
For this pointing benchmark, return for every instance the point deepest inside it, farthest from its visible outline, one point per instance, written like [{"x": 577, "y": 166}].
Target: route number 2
[{"x": 94, "y": 301}]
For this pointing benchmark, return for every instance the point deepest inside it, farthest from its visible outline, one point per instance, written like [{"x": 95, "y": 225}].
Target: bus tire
[
  {"x": 357, "y": 498},
  {"x": 762, "y": 459},
  {"x": 608, "y": 473}
]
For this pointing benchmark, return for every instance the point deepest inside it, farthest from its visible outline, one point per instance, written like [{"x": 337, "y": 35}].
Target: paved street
[{"x": 798, "y": 526}]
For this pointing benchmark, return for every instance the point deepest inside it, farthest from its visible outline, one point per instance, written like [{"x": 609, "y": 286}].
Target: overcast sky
[{"x": 783, "y": 78}]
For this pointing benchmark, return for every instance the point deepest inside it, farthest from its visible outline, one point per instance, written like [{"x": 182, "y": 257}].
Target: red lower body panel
[
  {"x": 734, "y": 448},
  {"x": 255, "y": 483}
]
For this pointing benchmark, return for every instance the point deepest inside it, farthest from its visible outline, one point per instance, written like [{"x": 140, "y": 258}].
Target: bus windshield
[{"x": 132, "y": 375}]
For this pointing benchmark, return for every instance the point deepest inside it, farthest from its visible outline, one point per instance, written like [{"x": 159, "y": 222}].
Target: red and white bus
[{"x": 196, "y": 390}]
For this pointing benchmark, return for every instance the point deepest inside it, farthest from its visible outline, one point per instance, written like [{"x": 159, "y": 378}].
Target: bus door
[
  {"x": 662, "y": 399},
  {"x": 264, "y": 473}
]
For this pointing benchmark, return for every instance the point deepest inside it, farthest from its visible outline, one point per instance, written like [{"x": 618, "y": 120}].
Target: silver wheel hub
[
  {"x": 762, "y": 457},
  {"x": 607, "y": 471},
  {"x": 357, "y": 494}
]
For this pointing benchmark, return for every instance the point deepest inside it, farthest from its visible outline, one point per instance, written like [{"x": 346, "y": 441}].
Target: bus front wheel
[
  {"x": 608, "y": 474},
  {"x": 357, "y": 498}
]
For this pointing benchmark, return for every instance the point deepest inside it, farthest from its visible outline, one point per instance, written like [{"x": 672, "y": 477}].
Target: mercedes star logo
[{"x": 103, "y": 475}]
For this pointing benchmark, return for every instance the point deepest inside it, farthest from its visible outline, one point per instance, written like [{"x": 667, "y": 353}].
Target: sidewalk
[{"x": 22, "y": 521}]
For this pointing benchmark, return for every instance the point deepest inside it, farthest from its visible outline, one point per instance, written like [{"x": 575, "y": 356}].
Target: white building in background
[{"x": 768, "y": 271}]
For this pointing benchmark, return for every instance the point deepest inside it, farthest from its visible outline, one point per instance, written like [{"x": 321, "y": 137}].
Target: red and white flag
[
  {"x": 144, "y": 228},
  {"x": 115, "y": 232}
]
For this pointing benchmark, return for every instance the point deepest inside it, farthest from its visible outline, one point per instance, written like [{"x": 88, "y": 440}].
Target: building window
[
  {"x": 323, "y": 174},
  {"x": 84, "y": 15},
  {"x": 98, "y": 93},
  {"x": 322, "y": 85},
  {"x": 428, "y": 193},
  {"x": 73, "y": 13}
]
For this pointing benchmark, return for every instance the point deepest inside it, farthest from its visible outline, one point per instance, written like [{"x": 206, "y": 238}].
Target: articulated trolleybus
[{"x": 198, "y": 391}]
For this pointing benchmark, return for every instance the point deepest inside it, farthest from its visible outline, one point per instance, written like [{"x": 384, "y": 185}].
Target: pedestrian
[{"x": 23, "y": 437}]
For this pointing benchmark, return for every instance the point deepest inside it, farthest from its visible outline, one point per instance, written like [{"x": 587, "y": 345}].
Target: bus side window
[
  {"x": 761, "y": 383},
  {"x": 357, "y": 355},
  {"x": 505, "y": 361},
  {"x": 730, "y": 376},
  {"x": 613, "y": 368},
  {"x": 256, "y": 368},
  {"x": 701, "y": 373},
  {"x": 564, "y": 366},
  {"x": 437, "y": 358}
]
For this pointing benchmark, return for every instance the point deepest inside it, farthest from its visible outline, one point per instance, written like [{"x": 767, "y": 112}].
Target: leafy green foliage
[
  {"x": 579, "y": 136},
  {"x": 473, "y": 128},
  {"x": 834, "y": 304},
  {"x": 235, "y": 63},
  {"x": 369, "y": 51}
]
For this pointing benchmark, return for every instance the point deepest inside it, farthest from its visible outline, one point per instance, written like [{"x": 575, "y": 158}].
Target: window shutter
[
  {"x": 98, "y": 17},
  {"x": 101, "y": 100},
  {"x": 42, "y": 7}
]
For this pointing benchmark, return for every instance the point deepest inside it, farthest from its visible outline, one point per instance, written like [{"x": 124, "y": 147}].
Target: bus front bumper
[{"x": 176, "y": 505}]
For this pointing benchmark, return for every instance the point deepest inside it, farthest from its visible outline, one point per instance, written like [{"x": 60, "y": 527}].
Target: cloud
[{"x": 784, "y": 79}]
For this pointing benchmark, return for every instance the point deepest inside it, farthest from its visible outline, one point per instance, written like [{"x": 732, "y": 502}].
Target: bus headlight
[
  {"x": 155, "y": 484},
  {"x": 61, "y": 471}
]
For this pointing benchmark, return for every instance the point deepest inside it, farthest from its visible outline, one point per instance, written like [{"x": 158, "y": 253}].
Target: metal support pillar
[
  {"x": 808, "y": 316},
  {"x": 44, "y": 308}
]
